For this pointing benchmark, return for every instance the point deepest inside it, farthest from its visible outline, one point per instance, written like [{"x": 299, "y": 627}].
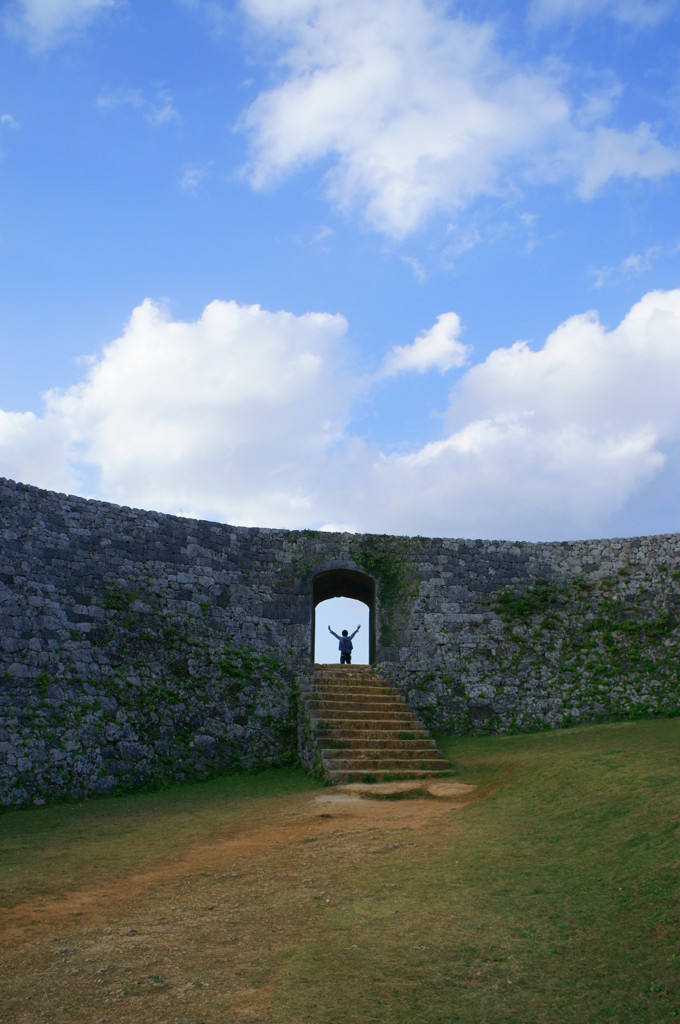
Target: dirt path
[{"x": 198, "y": 937}]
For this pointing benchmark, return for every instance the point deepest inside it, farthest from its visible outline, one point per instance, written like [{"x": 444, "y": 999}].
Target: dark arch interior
[{"x": 346, "y": 583}]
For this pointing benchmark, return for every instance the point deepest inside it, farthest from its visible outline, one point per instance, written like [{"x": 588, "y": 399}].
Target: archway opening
[
  {"x": 342, "y": 599},
  {"x": 340, "y": 613}
]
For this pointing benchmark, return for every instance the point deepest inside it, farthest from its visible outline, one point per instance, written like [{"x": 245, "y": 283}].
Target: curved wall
[{"x": 137, "y": 647}]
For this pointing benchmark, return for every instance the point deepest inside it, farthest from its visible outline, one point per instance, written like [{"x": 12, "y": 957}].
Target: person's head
[{"x": 344, "y": 632}]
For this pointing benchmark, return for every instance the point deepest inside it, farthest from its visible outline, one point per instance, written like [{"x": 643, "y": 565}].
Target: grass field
[{"x": 551, "y": 896}]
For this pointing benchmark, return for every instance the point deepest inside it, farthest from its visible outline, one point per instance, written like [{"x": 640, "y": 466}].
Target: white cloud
[
  {"x": 323, "y": 233},
  {"x": 602, "y": 91},
  {"x": 244, "y": 415},
  {"x": 608, "y": 153},
  {"x": 417, "y": 111},
  {"x": 584, "y": 375},
  {"x": 36, "y": 449},
  {"x": 631, "y": 266},
  {"x": 156, "y": 111},
  {"x": 636, "y": 13},
  {"x": 226, "y": 415},
  {"x": 551, "y": 443},
  {"x": 47, "y": 22},
  {"x": 338, "y": 528},
  {"x": 417, "y": 268},
  {"x": 439, "y": 348},
  {"x": 507, "y": 479},
  {"x": 161, "y": 109},
  {"x": 191, "y": 179}
]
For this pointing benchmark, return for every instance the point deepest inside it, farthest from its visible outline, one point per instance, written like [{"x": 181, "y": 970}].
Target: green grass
[
  {"x": 64, "y": 847},
  {"x": 554, "y": 899}
]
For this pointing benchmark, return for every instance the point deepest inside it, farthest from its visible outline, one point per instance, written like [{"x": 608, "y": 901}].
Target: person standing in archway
[{"x": 345, "y": 644}]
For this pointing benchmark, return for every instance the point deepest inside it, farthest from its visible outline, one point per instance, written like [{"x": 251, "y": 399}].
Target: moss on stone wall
[
  {"x": 389, "y": 561},
  {"x": 173, "y": 699},
  {"x": 519, "y": 606},
  {"x": 551, "y": 655}
]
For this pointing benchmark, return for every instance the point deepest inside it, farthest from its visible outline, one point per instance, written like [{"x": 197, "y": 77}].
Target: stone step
[
  {"x": 346, "y": 753},
  {"x": 355, "y": 692},
  {"x": 387, "y": 761},
  {"x": 355, "y": 675},
  {"x": 341, "y": 679},
  {"x": 356, "y": 728},
  {"x": 355, "y": 708},
  {"x": 335, "y": 666},
  {"x": 337, "y": 741},
  {"x": 354, "y": 685},
  {"x": 370, "y": 700},
  {"x": 358, "y": 705},
  {"x": 384, "y": 742},
  {"x": 390, "y": 701},
  {"x": 397, "y": 723},
  {"x": 359, "y": 727},
  {"x": 378, "y": 753},
  {"x": 383, "y": 764},
  {"x": 363, "y": 728},
  {"x": 356, "y": 688},
  {"x": 358, "y": 693},
  {"x": 360, "y": 775}
]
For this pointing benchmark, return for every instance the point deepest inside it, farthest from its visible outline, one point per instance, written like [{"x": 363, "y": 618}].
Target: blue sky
[{"x": 400, "y": 266}]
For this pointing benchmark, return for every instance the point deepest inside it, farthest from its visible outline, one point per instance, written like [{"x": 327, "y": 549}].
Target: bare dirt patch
[{"x": 199, "y": 937}]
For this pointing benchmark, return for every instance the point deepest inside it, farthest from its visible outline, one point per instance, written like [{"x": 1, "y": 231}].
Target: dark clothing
[{"x": 345, "y": 646}]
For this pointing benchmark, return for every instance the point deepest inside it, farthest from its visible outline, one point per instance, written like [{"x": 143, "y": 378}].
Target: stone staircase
[{"x": 364, "y": 731}]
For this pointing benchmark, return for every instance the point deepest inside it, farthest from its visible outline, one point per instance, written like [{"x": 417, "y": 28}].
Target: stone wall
[
  {"x": 137, "y": 647},
  {"x": 503, "y": 637}
]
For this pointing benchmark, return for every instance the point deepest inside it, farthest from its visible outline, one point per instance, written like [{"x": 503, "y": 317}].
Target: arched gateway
[
  {"x": 346, "y": 583},
  {"x": 138, "y": 646}
]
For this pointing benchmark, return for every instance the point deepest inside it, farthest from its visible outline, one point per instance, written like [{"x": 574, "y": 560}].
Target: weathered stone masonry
[{"x": 137, "y": 647}]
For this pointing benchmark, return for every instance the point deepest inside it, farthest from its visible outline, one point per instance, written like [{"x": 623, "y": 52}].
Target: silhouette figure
[{"x": 345, "y": 645}]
